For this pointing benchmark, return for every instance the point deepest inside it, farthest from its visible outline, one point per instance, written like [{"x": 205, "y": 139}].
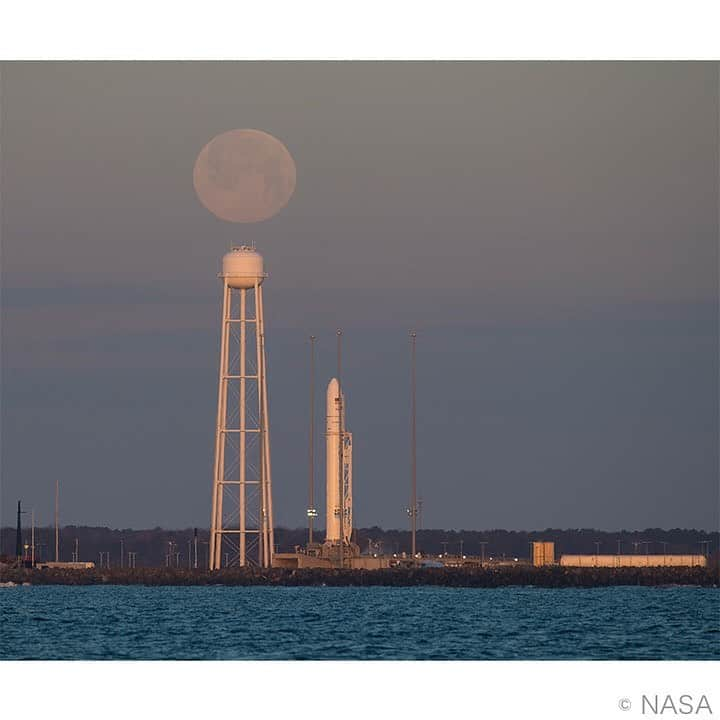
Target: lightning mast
[
  {"x": 413, "y": 449},
  {"x": 311, "y": 511},
  {"x": 341, "y": 429},
  {"x": 57, "y": 515}
]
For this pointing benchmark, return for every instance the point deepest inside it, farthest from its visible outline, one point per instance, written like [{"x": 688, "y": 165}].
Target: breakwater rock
[{"x": 488, "y": 577}]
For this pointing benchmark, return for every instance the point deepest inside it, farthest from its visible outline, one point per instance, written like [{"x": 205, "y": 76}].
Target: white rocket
[{"x": 338, "y": 456}]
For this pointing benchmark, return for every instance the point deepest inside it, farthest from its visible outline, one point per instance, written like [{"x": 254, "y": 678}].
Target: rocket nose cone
[{"x": 333, "y": 389}]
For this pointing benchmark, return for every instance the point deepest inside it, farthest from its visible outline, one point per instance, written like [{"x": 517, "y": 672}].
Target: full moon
[{"x": 244, "y": 176}]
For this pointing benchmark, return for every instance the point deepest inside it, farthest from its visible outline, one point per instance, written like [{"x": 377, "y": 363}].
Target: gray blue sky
[{"x": 550, "y": 229}]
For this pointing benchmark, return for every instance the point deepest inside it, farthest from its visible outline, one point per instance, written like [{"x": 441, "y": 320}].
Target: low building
[
  {"x": 299, "y": 561},
  {"x": 543, "y": 553},
  {"x": 49, "y": 565},
  {"x": 613, "y": 561}
]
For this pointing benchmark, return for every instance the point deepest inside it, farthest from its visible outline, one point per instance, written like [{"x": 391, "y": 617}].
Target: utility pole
[
  {"x": 76, "y": 554},
  {"x": 311, "y": 512},
  {"x": 57, "y": 515},
  {"x": 483, "y": 543},
  {"x": 413, "y": 448},
  {"x": 619, "y": 542},
  {"x": 444, "y": 543},
  {"x": 189, "y": 545},
  {"x": 122, "y": 552},
  {"x": 597, "y": 548}
]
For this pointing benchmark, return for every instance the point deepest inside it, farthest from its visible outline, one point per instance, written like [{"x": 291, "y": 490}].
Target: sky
[{"x": 549, "y": 229}]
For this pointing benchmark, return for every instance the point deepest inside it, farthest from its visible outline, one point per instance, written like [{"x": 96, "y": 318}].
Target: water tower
[
  {"x": 243, "y": 176},
  {"x": 241, "y": 520}
]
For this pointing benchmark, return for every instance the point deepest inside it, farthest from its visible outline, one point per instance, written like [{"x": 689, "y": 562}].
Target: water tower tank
[{"x": 243, "y": 267}]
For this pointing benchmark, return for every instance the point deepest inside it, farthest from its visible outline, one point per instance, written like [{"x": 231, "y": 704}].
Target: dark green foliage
[{"x": 152, "y": 545}]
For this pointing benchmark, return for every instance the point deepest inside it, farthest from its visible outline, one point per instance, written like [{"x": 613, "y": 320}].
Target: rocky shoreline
[{"x": 547, "y": 577}]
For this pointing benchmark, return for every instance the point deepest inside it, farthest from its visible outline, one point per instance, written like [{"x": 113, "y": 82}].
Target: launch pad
[
  {"x": 302, "y": 560},
  {"x": 338, "y": 550}
]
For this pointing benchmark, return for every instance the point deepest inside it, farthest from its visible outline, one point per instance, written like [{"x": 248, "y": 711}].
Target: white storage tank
[{"x": 242, "y": 267}]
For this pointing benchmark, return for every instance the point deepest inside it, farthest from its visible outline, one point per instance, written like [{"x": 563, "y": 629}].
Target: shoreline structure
[{"x": 525, "y": 575}]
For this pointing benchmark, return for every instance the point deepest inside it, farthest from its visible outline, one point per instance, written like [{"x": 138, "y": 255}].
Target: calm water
[{"x": 358, "y": 623}]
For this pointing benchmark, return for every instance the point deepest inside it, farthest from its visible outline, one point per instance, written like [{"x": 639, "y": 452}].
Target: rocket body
[
  {"x": 338, "y": 464},
  {"x": 333, "y": 429}
]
